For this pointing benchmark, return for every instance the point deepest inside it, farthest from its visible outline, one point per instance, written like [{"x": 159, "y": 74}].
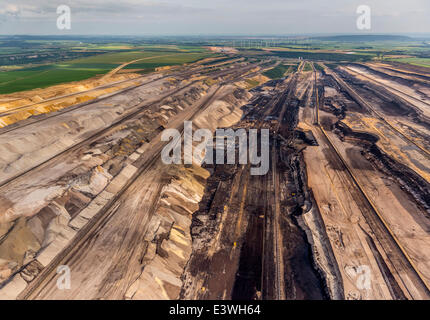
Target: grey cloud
[{"x": 215, "y": 16}]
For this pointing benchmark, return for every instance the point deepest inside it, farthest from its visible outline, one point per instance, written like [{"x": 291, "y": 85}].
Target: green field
[
  {"x": 307, "y": 67},
  {"x": 84, "y": 68},
  {"x": 329, "y": 56},
  {"x": 168, "y": 59},
  {"x": 279, "y": 71}
]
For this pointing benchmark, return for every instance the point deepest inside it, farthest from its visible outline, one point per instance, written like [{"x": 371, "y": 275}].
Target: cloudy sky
[{"x": 234, "y": 17}]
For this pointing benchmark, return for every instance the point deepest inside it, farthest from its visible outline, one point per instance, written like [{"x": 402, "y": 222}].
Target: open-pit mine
[{"x": 343, "y": 211}]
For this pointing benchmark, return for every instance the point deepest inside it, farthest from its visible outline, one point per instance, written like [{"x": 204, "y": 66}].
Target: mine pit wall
[
  {"x": 414, "y": 185},
  {"x": 393, "y": 77},
  {"x": 312, "y": 272},
  {"x": 305, "y": 275},
  {"x": 168, "y": 241},
  {"x": 306, "y": 215},
  {"x": 29, "y": 237},
  {"x": 86, "y": 172},
  {"x": 409, "y": 68},
  {"x": 170, "y": 247},
  {"x": 417, "y": 187},
  {"x": 408, "y": 180},
  {"x": 39, "y": 103},
  {"x": 395, "y": 105},
  {"x": 27, "y": 147},
  {"x": 36, "y": 222},
  {"x": 308, "y": 218}
]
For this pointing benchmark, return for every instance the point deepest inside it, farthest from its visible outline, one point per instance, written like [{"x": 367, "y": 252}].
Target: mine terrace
[{"x": 346, "y": 194}]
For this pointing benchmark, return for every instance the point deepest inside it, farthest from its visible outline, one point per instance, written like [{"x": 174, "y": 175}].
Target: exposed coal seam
[
  {"x": 409, "y": 181},
  {"x": 402, "y": 106},
  {"x": 298, "y": 173}
]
